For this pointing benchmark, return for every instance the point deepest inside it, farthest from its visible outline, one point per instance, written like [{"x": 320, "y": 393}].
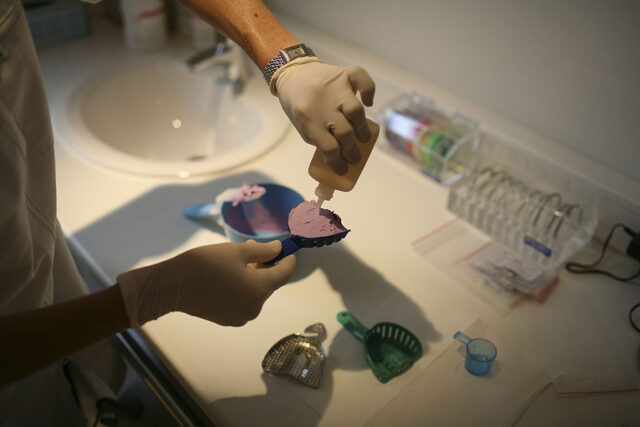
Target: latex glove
[
  {"x": 222, "y": 283},
  {"x": 321, "y": 102}
]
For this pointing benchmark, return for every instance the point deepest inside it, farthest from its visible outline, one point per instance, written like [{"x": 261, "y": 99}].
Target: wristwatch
[{"x": 285, "y": 56}]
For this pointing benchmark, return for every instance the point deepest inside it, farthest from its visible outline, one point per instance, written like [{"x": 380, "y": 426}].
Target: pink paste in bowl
[{"x": 308, "y": 221}]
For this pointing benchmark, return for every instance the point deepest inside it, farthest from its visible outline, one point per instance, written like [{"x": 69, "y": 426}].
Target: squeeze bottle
[{"x": 329, "y": 181}]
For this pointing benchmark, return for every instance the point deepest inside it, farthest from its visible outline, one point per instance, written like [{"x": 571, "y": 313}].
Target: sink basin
[{"x": 159, "y": 118}]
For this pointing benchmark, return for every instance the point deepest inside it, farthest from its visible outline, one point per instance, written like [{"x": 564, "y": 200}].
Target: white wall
[{"x": 567, "y": 70}]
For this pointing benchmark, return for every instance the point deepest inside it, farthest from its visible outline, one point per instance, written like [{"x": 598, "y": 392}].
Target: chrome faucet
[{"x": 227, "y": 54}]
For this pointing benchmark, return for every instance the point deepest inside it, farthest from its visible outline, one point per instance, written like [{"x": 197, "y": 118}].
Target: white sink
[{"x": 158, "y": 118}]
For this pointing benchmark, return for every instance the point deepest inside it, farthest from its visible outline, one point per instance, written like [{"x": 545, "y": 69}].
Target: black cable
[
  {"x": 66, "y": 369},
  {"x": 578, "y": 268}
]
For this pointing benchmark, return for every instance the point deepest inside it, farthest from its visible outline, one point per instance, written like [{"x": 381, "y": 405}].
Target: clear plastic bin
[
  {"x": 529, "y": 207},
  {"x": 444, "y": 145}
]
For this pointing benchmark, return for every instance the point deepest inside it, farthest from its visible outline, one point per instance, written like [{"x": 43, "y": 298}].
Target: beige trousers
[{"x": 36, "y": 267}]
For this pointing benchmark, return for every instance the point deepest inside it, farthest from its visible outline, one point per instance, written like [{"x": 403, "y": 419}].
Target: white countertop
[{"x": 123, "y": 221}]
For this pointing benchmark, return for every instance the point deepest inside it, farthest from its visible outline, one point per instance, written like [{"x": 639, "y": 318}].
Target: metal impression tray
[{"x": 299, "y": 356}]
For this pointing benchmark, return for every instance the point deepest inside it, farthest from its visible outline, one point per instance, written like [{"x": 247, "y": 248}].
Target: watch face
[{"x": 295, "y": 52}]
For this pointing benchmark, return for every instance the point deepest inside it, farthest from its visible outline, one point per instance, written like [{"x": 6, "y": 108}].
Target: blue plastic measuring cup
[{"x": 480, "y": 354}]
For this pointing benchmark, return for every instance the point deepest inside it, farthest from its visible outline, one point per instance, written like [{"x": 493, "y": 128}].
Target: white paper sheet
[
  {"x": 446, "y": 394},
  {"x": 568, "y": 334},
  {"x": 349, "y": 394}
]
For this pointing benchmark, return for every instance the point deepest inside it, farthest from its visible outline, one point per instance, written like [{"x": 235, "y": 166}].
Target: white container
[{"x": 145, "y": 23}]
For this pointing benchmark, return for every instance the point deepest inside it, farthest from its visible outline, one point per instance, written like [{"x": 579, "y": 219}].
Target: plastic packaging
[
  {"x": 145, "y": 25},
  {"x": 486, "y": 269},
  {"x": 329, "y": 181}
]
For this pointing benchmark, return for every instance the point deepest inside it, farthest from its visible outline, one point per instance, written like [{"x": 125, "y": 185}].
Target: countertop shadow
[{"x": 152, "y": 225}]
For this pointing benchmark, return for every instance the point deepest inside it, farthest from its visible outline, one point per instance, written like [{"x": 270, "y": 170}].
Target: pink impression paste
[
  {"x": 247, "y": 193},
  {"x": 307, "y": 220}
]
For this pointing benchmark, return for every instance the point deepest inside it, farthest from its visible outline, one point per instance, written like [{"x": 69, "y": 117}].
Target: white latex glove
[
  {"x": 223, "y": 283},
  {"x": 321, "y": 102}
]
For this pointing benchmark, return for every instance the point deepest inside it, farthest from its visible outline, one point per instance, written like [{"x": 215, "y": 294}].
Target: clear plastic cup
[{"x": 480, "y": 354}]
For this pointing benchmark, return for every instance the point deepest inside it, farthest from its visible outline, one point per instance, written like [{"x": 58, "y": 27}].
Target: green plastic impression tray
[{"x": 389, "y": 348}]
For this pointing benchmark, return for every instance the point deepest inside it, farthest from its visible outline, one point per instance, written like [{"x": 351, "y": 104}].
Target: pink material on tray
[{"x": 308, "y": 221}]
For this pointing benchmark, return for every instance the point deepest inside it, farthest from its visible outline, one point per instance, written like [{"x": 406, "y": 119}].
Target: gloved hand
[
  {"x": 223, "y": 283},
  {"x": 321, "y": 102}
]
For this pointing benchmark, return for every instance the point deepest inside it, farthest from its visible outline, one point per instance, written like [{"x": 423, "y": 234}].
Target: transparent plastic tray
[{"x": 530, "y": 208}]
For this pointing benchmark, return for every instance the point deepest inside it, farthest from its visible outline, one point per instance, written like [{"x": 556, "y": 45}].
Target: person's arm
[
  {"x": 224, "y": 283},
  {"x": 319, "y": 99},
  {"x": 249, "y": 23},
  {"x": 33, "y": 339}
]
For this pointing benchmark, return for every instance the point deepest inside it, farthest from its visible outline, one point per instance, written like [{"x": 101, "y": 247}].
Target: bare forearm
[
  {"x": 247, "y": 22},
  {"x": 31, "y": 340}
]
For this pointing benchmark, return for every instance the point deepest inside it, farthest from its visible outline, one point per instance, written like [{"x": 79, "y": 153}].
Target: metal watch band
[{"x": 283, "y": 57}]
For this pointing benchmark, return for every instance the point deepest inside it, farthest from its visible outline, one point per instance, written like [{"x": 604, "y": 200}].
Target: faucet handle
[
  {"x": 196, "y": 61},
  {"x": 226, "y": 53},
  {"x": 205, "y": 57},
  {"x": 224, "y": 45}
]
